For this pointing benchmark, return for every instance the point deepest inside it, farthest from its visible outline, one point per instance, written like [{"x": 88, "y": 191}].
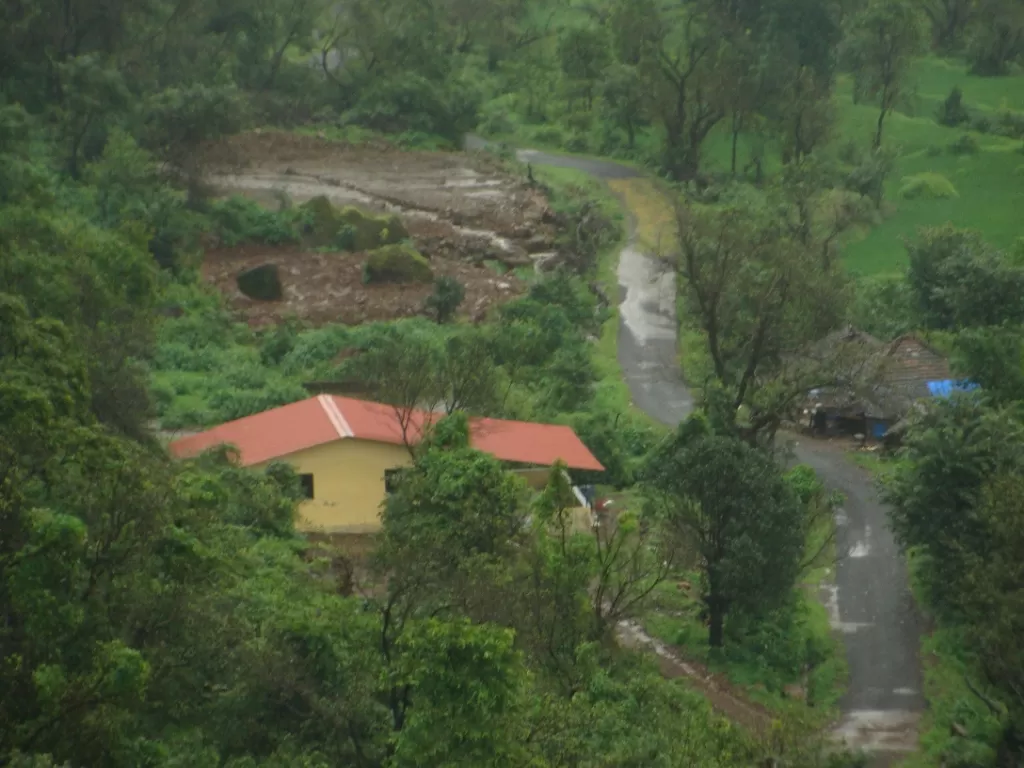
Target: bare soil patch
[
  {"x": 321, "y": 288},
  {"x": 461, "y": 210}
]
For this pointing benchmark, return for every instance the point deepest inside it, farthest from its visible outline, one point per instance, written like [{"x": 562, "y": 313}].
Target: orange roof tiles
[{"x": 323, "y": 419}]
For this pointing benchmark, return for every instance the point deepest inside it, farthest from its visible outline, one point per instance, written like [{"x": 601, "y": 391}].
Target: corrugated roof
[{"x": 279, "y": 432}]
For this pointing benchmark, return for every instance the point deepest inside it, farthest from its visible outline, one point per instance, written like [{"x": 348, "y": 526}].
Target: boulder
[
  {"x": 371, "y": 231},
  {"x": 324, "y": 224},
  {"x": 350, "y": 228},
  {"x": 397, "y": 264},
  {"x": 262, "y": 283}
]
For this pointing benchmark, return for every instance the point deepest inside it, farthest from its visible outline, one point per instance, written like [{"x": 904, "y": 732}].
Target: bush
[
  {"x": 226, "y": 404},
  {"x": 927, "y": 186},
  {"x": 446, "y": 298},
  {"x": 397, "y": 264},
  {"x": 176, "y": 356},
  {"x": 240, "y": 220},
  {"x": 315, "y": 348},
  {"x": 965, "y": 145},
  {"x": 868, "y": 177},
  {"x": 953, "y": 112},
  {"x": 411, "y": 102},
  {"x": 1010, "y": 124},
  {"x": 349, "y": 229},
  {"x": 277, "y": 341},
  {"x": 883, "y": 305},
  {"x": 982, "y": 124},
  {"x": 549, "y": 134}
]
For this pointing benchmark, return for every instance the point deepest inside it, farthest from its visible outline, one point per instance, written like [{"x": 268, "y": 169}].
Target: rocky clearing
[{"x": 470, "y": 217}]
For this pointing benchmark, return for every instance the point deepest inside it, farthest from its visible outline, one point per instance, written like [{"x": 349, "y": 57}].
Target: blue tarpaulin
[{"x": 947, "y": 387}]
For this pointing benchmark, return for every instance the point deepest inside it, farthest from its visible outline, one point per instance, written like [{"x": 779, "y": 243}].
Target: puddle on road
[{"x": 649, "y": 307}]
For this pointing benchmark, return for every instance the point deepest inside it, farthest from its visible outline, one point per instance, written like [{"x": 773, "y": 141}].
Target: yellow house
[{"x": 345, "y": 451}]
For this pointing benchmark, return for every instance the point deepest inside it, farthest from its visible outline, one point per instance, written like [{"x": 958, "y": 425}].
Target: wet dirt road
[{"x": 870, "y": 603}]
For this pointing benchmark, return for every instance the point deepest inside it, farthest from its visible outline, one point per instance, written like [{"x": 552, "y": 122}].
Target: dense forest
[{"x": 805, "y": 166}]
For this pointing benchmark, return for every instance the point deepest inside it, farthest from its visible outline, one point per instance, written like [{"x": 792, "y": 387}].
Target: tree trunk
[
  {"x": 878, "y": 131},
  {"x": 716, "y": 622},
  {"x": 735, "y": 140}
]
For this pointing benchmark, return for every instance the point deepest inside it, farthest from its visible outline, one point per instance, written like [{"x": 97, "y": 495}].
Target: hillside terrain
[{"x": 729, "y": 249}]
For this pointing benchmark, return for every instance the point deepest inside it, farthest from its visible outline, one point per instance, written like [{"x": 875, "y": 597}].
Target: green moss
[
  {"x": 324, "y": 223},
  {"x": 397, "y": 264},
  {"x": 372, "y": 231},
  {"x": 350, "y": 228},
  {"x": 928, "y": 186}
]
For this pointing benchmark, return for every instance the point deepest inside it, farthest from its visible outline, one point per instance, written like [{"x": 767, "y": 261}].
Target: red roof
[{"x": 323, "y": 419}]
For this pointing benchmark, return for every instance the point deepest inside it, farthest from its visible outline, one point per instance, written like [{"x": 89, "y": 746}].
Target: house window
[
  {"x": 391, "y": 480},
  {"x": 307, "y": 486}
]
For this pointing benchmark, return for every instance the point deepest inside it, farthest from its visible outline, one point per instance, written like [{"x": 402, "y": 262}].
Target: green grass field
[{"x": 989, "y": 183}]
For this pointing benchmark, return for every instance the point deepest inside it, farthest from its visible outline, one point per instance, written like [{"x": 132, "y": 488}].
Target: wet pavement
[{"x": 869, "y": 602}]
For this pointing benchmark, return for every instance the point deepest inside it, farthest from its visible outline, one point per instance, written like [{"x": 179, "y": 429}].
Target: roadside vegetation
[{"x": 166, "y": 614}]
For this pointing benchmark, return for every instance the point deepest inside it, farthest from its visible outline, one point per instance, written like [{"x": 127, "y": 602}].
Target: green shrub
[
  {"x": 370, "y": 231},
  {"x": 444, "y": 302},
  {"x": 176, "y": 356},
  {"x": 246, "y": 377},
  {"x": 187, "y": 415},
  {"x": 349, "y": 229},
  {"x": 226, "y": 403},
  {"x": 315, "y": 347},
  {"x": 410, "y": 102},
  {"x": 397, "y": 264},
  {"x": 928, "y": 186},
  {"x": 277, "y": 341},
  {"x": 952, "y": 112},
  {"x": 965, "y": 145},
  {"x": 240, "y": 220},
  {"x": 162, "y": 392},
  {"x": 549, "y": 134},
  {"x": 345, "y": 240}
]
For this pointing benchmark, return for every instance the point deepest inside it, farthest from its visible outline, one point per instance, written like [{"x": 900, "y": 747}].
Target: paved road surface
[
  {"x": 870, "y": 602},
  {"x": 647, "y": 295}
]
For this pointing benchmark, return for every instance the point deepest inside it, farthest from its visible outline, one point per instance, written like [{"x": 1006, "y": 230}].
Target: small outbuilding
[{"x": 881, "y": 386}]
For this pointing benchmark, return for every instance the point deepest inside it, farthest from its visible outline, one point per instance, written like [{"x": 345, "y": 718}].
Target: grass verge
[
  {"x": 612, "y": 391},
  {"x": 956, "y": 728},
  {"x": 764, "y": 666}
]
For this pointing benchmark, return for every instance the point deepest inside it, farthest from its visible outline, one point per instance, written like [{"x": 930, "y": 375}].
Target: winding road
[{"x": 869, "y": 602}]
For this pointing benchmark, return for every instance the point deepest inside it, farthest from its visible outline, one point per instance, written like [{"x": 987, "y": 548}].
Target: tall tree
[
  {"x": 677, "y": 48},
  {"x": 731, "y": 504},
  {"x": 996, "y": 37},
  {"x": 760, "y": 297},
  {"x": 881, "y": 43},
  {"x": 949, "y": 20},
  {"x": 960, "y": 281}
]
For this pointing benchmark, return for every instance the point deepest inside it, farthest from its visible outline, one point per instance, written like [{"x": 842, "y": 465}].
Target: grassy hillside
[{"x": 989, "y": 183}]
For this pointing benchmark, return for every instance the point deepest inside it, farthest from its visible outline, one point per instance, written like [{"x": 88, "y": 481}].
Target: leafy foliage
[
  {"x": 731, "y": 504},
  {"x": 960, "y": 281}
]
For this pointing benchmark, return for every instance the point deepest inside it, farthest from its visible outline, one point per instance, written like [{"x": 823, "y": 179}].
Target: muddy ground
[{"x": 464, "y": 211}]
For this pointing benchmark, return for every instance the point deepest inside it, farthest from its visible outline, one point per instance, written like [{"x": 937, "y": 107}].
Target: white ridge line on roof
[{"x": 335, "y": 416}]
